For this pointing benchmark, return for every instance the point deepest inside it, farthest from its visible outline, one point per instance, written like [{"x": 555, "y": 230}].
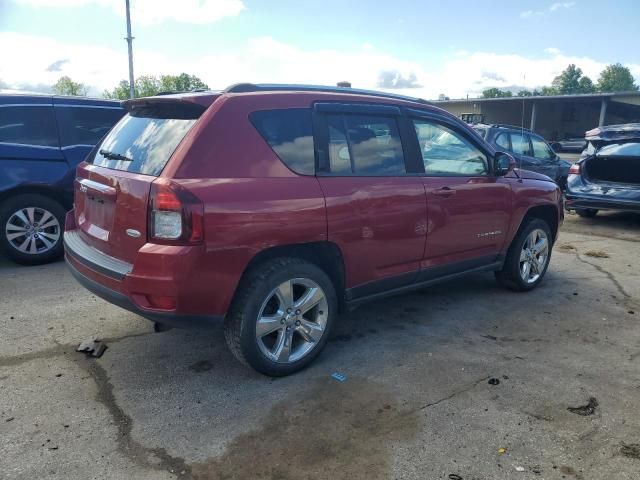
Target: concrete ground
[{"x": 416, "y": 404}]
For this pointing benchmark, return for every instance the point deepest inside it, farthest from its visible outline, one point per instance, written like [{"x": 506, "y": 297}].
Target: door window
[
  {"x": 28, "y": 126},
  {"x": 85, "y": 125},
  {"x": 541, "y": 149},
  {"x": 520, "y": 144},
  {"x": 365, "y": 145},
  {"x": 446, "y": 152},
  {"x": 502, "y": 140}
]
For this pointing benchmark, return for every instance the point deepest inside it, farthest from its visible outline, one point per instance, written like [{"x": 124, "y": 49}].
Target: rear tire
[
  {"x": 31, "y": 229},
  {"x": 281, "y": 316},
  {"x": 532, "y": 245},
  {"x": 587, "y": 212}
]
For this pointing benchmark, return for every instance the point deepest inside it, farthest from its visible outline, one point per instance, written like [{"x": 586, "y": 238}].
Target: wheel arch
[
  {"x": 325, "y": 255},
  {"x": 548, "y": 213},
  {"x": 55, "y": 194}
]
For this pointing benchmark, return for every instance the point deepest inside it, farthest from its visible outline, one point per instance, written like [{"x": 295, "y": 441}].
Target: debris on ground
[
  {"x": 341, "y": 377},
  {"x": 490, "y": 337},
  {"x": 92, "y": 348},
  {"x": 585, "y": 410},
  {"x": 453, "y": 476},
  {"x": 493, "y": 381},
  {"x": 519, "y": 469},
  {"x": 502, "y": 450},
  {"x": 631, "y": 450},
  {"x": 565, "y": 247},
  {"x": 597, "y": 254}
]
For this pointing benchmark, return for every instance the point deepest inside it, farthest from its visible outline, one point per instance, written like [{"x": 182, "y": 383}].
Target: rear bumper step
[{"x": 93, "y": 258}]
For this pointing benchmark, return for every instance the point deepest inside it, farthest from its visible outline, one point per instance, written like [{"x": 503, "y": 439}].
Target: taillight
[
  {"x": 574, "y": 169},
  {"x": 175, "y": 215}
]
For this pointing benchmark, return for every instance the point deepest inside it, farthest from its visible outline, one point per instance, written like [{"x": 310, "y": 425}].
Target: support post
[
  {"x": 534, "y": 114},
  {"x": 603, "y": 111},
  {"x": 129, "y": 39}
]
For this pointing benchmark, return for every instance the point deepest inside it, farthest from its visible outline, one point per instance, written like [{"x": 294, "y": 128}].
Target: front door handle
[{"x": 444, "y": 192}]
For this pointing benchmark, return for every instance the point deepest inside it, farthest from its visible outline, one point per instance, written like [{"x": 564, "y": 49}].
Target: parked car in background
[
  {"x": 269, "y": 208},
  {"x": 608, "y": 177},
  {"x": 571, "y": 144},
  {"x": 530, "y": 150},
  {"x": 42, "y": 140}
]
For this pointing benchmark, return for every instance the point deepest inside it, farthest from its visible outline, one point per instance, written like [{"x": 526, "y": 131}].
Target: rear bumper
[
  {"x": 132, "y": 286},
  {"x": 117, "y": 298},
  {"x": 573, "y": 202}
]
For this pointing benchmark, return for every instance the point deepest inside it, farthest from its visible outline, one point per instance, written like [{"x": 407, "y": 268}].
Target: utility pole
[{"x": 129, "y": 39}]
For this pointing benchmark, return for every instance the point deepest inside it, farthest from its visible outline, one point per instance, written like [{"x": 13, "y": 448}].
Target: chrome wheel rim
[
  {"x": 534, "y": 256},
  {"x": 292, "y": 320},
  {"x": 32, "y": 230}
]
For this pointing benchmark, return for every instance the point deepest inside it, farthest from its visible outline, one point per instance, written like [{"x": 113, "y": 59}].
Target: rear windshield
[
  {"x": 145, "y": 138},
  {"x": 620, "y": 150}
]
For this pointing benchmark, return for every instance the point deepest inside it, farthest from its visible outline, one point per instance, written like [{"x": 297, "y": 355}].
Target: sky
[{"x": 421, "y": 48}]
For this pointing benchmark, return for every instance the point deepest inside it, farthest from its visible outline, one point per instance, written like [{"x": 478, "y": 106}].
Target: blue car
[{"x": 42, "y": 140}]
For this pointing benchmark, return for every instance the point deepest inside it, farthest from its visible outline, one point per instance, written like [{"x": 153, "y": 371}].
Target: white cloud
[
  {"x": 551, "y": 8},
  {"x": 156, "y": 11},
  {"x": 552, "y": 51},
  {"x": 265, "y": 59}
]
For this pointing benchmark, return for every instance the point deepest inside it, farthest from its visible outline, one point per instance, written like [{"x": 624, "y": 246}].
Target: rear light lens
[
  {"x": 175, "y": 215},
  {"x": 574, "y": 169}
]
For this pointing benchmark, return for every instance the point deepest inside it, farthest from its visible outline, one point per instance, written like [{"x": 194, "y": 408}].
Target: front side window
[
  {"x": 446, "y": 152},
  {"x": 85, "y": 125},
  {"x": 28, "y": 125},
  {"x": 520, "y": 144},
  {"x": 365, "y": 145},
  {"x": 290, "y": 134},
  {"x": 541, "y": 149}
]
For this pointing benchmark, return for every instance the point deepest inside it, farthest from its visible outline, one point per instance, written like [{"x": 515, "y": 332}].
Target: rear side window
[
  {"x": 520, "y": 144},
  {"x": 502, "y": 140},
  {"x": 28, "y": 125},
  {"x": 85, "y": 125},
  {"x": 290, "y": 134},
  {"x": 365, "y": 145},
  {"x": 144, "y": 140}
]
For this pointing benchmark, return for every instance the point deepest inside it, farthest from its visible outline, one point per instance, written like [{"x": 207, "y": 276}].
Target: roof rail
[
  {"x": 515, "y": 127},
  {"x": 275, "y": 87}
]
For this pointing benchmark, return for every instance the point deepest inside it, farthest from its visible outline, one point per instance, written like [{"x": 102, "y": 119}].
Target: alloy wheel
[
  {"x": 292, "y": 320},
  {"x": 33, "y": 230},
  {"x": 534, "y": 256}
]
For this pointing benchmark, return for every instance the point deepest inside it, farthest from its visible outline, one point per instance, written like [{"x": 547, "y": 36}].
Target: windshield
[
  {"x": 144, "y": 140},
  {"x": 620, "y": 150}
]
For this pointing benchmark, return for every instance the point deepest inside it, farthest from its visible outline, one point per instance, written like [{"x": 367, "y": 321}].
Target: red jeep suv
[{"x": 270, "y": 208}]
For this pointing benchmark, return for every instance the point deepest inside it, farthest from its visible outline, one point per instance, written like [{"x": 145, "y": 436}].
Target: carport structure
[{"x": 554, "y": 117}]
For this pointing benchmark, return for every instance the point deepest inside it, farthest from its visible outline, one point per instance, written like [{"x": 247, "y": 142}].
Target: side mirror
[{"x": 504, "y": 163}]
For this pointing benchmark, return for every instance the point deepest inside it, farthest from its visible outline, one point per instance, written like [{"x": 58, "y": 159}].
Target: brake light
[
  {"x": 574, "y": 169},
  {"x": 175, "y": 215}
]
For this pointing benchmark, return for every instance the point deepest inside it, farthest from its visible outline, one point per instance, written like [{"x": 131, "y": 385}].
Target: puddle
[{"x": 333, "y": 430}]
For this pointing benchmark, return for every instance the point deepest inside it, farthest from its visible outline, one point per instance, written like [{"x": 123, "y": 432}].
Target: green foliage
[
  {"x": 571, "y": 81},
  {"x": 149, "y": 85},
  {"x": 616, "y": 78},
  {"x": 525, "y": 93},
  {"x": 66, "y": 86},
  {"x": 496, "y": 93}
]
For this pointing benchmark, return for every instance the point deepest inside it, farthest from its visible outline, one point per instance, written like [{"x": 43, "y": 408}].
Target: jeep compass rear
[{"x": 269, "y": 209}]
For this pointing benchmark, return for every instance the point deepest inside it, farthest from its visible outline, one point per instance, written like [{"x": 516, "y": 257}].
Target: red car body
[{"x": 373, "y": 234}]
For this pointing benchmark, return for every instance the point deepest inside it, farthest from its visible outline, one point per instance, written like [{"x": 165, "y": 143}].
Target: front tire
[
  {"x": 528, "y": 257},
  {"x": 31, "y": 228},
  {"x": 281, "y": 317},
  {"x": 587, "y": 212}
]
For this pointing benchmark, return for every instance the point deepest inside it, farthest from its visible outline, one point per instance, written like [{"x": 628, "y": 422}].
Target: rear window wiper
[{"x": 115, "y": 156}]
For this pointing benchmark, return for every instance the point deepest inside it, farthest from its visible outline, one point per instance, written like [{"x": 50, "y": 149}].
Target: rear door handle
[{"x": 444, "y": 192}]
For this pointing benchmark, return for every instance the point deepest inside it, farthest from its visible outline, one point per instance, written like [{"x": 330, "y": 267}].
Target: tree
[
  {"x": 571, "y": 81},
  {"x": 149, "y": 85},
  {"x": 524, "y": 93},
  {"x": 496, "y": 93},
  {"x": 547, "y": 91},
  {"x": 66, "y": 86},
  {"x": 616, "y": 78}
]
